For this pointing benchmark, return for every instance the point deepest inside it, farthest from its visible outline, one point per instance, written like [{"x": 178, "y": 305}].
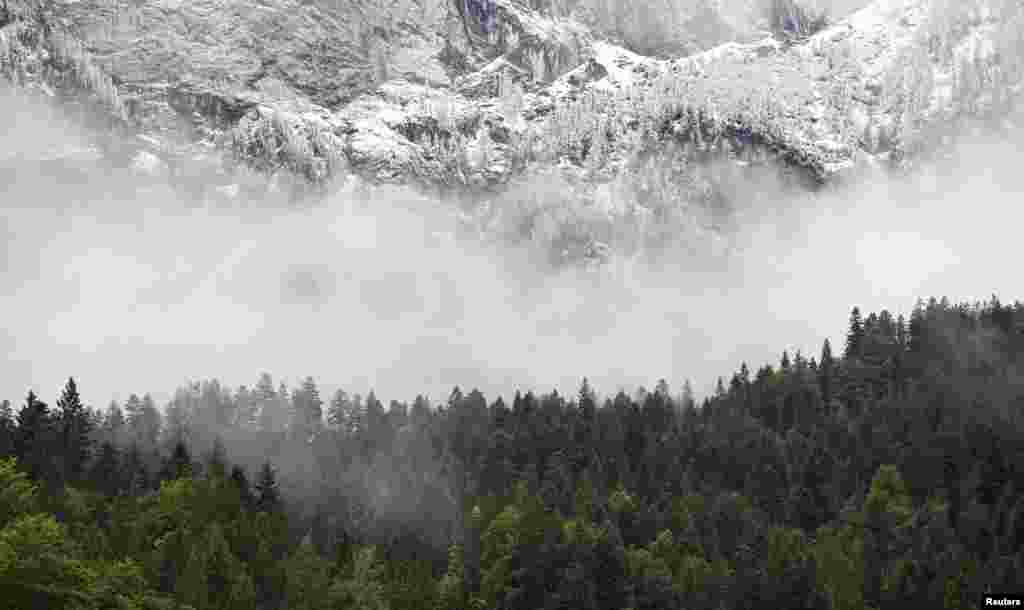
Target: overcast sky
[{"x": 139, "y": 294}]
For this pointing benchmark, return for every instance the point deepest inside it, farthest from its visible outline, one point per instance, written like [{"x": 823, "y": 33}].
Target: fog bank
[{"x": 139, "y": 293}]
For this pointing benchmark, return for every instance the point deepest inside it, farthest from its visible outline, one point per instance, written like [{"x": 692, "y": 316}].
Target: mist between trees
[{"x": 884, "y": 472}]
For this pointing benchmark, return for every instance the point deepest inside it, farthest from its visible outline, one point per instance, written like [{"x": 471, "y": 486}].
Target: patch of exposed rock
[{"x": 423, "y": 95}]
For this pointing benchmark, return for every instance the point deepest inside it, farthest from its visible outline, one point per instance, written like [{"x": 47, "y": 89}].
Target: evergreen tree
[
  {"x": 114, "y": 424},
  {"x": 75, "y": 429},
  {"x": 268, "y": 496},
  {"x": 826, "y": 374},
  {"x": 149, "y": 422},
  {"x": 7, "y": 429},
  {"x": 33, "y": 439},
  {"x": 688, "y": 400},
  {"x": 133, "y": 416},
  {"x": 374, "y": 413},
  {"x": 307, "y": 410},
  {"x": 265, "y": 402},
  {"x": 246, "y": 409},
  {"x": 134, "y": 475},
  {"x": 854, "y": 336},
  {"x": 339, "y": 410},
  {"x": 179, "y": 464}
]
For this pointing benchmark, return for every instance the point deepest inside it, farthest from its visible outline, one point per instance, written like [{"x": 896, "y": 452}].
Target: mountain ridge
[{"x": 469, "y": 110}]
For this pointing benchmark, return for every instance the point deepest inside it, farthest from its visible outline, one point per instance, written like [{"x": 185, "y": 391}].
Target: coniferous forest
[{"x": 882, "y": 473}]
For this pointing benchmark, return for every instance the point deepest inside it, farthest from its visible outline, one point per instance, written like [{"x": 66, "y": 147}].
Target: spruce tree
[
  {"x": 150, "y": 422},
  {"x": 75, "y": 427},
  {"x": 114, "y": 424},
  {"x": 826, "y": 373},
  {"x": 134, "y": 475},
  {"x": 854, "y": 336},
  {"x": 268, "y": 496},
  {"x": 133, "y": 416},
  {"x": 179, "y": 464},
  {"x": 338, "y": 410},
  {"x": 245, "y": 408},
  {"x": 307, "y": 410},
  {"x": 7, "y": 429},
  {"x": 32, "y": 439}
]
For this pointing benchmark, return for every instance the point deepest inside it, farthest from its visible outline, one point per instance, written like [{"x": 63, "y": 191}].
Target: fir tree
[
  {"x": 114, "y": 424},
  {"x": 268, "y": 496},
  {"x": 133, "y": 416},
  {"x": 32, "y": 441},
  {"x": 7, "y": 429},
  {"x": 854, "y": 336},
  {"x": 75, "y": 428},
  {"x": 338, "y": 410},
  {"x": 179, "y": 464},
  {"x": 307, "y": 410},
  {"x": 149, "y": 422},
  {"x": 134, "y": 474},
  {"x": 826, "y": 373},
  {"x": 246, "y": 415}
]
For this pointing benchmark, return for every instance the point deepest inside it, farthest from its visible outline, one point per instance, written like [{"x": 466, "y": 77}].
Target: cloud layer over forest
[{"x": 136, "y": 293}]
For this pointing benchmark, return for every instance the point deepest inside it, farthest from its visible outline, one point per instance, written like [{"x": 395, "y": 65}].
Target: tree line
[{"x": 887, "y": 472}]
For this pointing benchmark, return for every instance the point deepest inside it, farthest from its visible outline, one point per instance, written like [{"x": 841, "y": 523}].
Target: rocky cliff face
[{"x": 420, "y": 92}]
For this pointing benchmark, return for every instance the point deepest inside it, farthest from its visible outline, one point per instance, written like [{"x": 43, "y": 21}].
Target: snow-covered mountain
[{"x": 424, "y": 92}]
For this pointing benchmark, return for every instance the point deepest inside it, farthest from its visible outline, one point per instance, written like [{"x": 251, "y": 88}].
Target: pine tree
[
  {"x": 264, "y": 400},
  {"x": 688, "y": 400},
  {"x": 114, "y": 424},
  {"x": 246, "y": 409},
  {"x": 149, "y": 422},
  {"x": 339, "y": 411},
  {"x": 75, "y": 427},
  {"x": 7, "y": 429},
  {"x": 826, "y": 373},
  {"x": 133, "y": 416},
  {"x": 179, "y": 464},
  {"x": 32, "y": 441},
  {"x": 587, "y": 404},
  {"x": 374, "y": 414},
  {"x": 307, "y": 410},
  {"x": 854, "y": 336},
  {"x": 268, "y": 496}
]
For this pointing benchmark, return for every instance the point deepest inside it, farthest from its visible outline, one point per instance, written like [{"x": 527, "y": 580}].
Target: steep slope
[{"x": 419, "y": 91}]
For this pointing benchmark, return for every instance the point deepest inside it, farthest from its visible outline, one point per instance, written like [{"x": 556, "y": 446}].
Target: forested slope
[{"x": 885, "y": 474}]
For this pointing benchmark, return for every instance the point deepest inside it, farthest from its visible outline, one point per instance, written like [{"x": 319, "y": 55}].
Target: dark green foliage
[
  {"x": 179, "y": 464},
  {"x": 885, "y": 478},
  {"x": 33, "y": 440},
  {"x": 105, "y": 473},
  {"x": 268, "y": 496},
  {"x": 74, "y": 428}
]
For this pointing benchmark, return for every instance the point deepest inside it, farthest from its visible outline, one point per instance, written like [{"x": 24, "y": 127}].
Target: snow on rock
[{"x": 286, "y": 83}]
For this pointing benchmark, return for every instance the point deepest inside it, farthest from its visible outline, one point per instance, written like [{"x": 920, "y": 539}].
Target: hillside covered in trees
[{"x": 886, "y": 473}]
